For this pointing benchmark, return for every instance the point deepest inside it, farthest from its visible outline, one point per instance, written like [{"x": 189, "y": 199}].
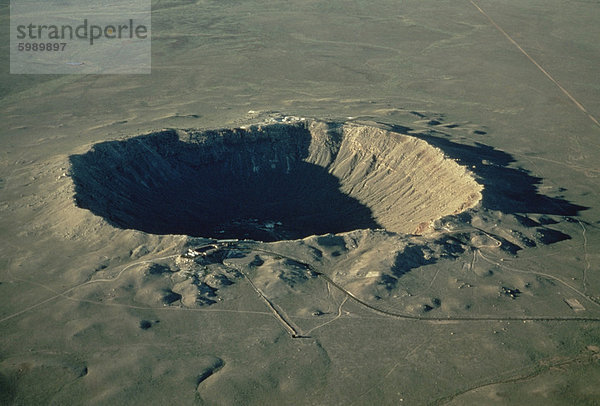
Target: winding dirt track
[{"x": 250, "y": 246}]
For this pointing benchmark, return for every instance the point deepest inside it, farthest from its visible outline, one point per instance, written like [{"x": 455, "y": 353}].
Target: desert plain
[{"x": 321, "y": 203}]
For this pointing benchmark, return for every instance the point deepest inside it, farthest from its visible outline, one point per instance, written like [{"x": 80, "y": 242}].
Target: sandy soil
[{"x": 497, "y": 305}]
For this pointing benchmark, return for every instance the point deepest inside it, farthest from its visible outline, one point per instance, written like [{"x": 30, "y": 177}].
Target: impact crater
[{"x": 272, "y": 182}]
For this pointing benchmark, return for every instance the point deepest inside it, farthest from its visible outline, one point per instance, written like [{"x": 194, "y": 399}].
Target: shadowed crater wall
[{"x": 270, "y": 182}]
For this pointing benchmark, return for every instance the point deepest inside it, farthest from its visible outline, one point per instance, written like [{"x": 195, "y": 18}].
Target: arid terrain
[{"x": 321, "y": 203}]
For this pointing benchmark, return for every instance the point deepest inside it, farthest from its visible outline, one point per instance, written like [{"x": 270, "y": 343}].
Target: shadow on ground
[{"x": 509, "y": 190}]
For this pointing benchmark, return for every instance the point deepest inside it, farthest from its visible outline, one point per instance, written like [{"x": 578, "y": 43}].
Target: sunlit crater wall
[{"x": 405, "y": 182}]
